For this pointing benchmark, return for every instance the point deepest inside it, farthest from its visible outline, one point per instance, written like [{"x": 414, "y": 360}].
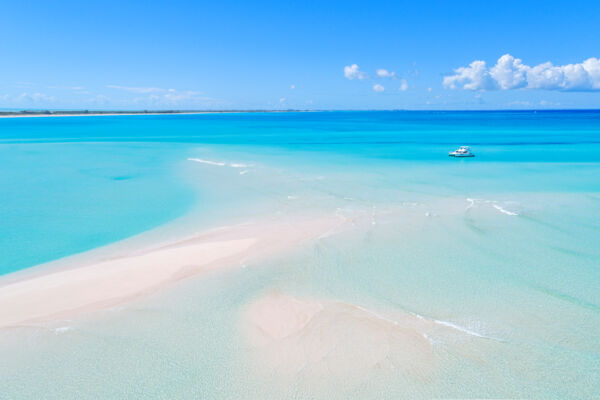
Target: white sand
[
  {"x": 108, "y": 282},
  {"x": 55, "y": 293}
]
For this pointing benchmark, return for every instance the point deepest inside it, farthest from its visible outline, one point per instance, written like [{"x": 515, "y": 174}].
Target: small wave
[
  {"x": 220, "y": 164},
  {"x": 463, "y": 329},
  {"x": 454, "y": 326},
  {"x": 417, "y": 315},
  {"x": 240, "y": 165},
  {"x": 429, "y": 339},
  {"x": 62, "y": 329},
  {"x": 471, "y": 203},
  {"x": 493, "y": 203},
  {"x": 503, "y": 211},
  {"x": 376, "y": 315},
  {"x": 244, "y": 172}
]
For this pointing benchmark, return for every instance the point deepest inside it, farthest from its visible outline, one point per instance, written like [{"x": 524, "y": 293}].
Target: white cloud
[
  {"x": 403, "y": 85},
  {"x": 510, "y": 73},
  {"x": 353, "y": 72},
  {"x": 26, "y": 98},
  {"x": 176, "y": 97},
  {"x": 162, "y": 97},
  {"x": 99, "y": 100},
  {"x": 473, "y": 77},
  {"x": 282, "y": 100},
  {"x": 173, "y": 98},
  {"x": 520, "y": 103},
  {"x": 384, "y": 73},
  {"x": 34, "y": 98},
  {"x": 548, "y": 103},
  {"x": 378, "y": 88},
  {"x": 38, "y": 97},
  {"x": 292, "y": 86}
]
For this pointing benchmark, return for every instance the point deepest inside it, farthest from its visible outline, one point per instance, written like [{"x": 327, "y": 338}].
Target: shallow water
[{"x": 499, "y": 252}]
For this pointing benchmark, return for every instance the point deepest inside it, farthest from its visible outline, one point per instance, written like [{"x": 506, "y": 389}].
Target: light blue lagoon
[{"x": 501, "y": 249}]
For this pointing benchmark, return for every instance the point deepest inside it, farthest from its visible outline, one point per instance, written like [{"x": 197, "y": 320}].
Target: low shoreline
[{"x": 86, "y": 113}]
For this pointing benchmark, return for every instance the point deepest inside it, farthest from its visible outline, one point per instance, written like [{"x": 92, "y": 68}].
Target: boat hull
[{"x": 461, "y": 155}]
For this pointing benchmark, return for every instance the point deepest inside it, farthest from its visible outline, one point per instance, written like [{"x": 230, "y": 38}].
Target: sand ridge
[{"x": 56, "y": 293}]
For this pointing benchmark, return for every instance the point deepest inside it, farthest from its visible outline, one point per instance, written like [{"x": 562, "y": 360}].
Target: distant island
[
  {"x": 59, "y": 113},
  {"x": 76, "y": 113}
]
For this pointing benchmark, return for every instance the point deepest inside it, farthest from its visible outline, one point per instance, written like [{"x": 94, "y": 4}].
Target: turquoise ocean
[{"x": 504, "y": 247}]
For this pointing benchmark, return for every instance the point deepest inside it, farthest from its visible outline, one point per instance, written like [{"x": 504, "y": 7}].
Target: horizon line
[{"x": 42, "y": 111}]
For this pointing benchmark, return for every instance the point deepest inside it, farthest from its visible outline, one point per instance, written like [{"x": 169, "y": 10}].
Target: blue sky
[{"x": 277, "y": 54}]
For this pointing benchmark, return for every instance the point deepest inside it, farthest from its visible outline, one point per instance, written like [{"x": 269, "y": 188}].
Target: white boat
[{"x": 462, "y": 151}]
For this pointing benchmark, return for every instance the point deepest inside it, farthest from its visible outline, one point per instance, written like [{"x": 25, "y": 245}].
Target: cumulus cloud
[
  {"x": 474, "y": 77},
  {"x": 353, "y": 72},
  {"x": 292, "y": 86},
  {"x": 403, "y": 85},
  {"x": 378, "y": 88},
  {"x": 384, "y": 73},
  {"x": 510, "y": 73}
]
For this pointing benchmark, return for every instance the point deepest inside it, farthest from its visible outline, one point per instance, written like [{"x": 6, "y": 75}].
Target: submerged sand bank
[
  {"x": 321, "y": 341},
  {"x": 55, "y": 293},
  {"x": 325, "y": 338}
]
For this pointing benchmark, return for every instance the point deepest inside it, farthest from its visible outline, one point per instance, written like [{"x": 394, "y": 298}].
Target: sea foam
[
  {"x": 209, "y": 162},
  {"x": 220, "y": 163},
  {"x": 493, "y": 203}
]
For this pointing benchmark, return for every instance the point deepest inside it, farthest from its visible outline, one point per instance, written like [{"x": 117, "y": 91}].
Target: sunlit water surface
[{"x": 503, "y": 248}]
